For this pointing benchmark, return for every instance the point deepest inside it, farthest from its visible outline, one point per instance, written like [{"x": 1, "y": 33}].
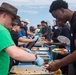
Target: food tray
[{"x": 29, "y": 70}]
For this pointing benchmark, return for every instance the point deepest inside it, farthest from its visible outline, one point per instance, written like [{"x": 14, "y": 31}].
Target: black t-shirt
[
  {"x": 15, "y": 36},
  {"x": 48, "y": 30},
  {"x": 65, "y": 31},
  {"x": 55, "y": 35},
  {"x": 73, "y": 31},
  {"x": 73, "y": 35},
  {"x": 54, "y": 28}
]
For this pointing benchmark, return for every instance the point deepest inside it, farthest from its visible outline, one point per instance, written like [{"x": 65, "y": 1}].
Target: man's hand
[
  {"x": 53, "y": 66},
  {"x": 63, "y": 44},
  {"x": 58, "y": 44},
  {"x": 39, "y": 61},
  {"x": 49, "y": 43}
]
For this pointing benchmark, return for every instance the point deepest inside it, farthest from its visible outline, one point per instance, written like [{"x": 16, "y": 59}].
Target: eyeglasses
[{"x": 12, "y": 17}]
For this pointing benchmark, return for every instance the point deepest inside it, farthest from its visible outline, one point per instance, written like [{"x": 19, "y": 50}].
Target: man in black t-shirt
[
  {"x": 56, "y": 32},
  {"x": 16, "y": 37},
  {"x": 65, "y": 31},
  {"x": 62, "y": 30},
  {"x": 46, "y": 32},
  {"x": 59, "y": 10}
]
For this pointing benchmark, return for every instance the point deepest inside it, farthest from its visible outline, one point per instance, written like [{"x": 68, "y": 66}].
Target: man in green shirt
[{"x": 7, "y": 46}]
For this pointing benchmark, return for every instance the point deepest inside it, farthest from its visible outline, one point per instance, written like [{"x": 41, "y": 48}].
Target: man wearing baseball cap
[
  {"x": 7, "y": 47},
  {"x": 26, "y": 22}
]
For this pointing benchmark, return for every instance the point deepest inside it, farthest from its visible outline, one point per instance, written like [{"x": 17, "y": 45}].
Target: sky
[{"x": 36, "y": 10}]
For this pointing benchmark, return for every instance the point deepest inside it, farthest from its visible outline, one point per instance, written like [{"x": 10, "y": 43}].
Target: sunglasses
[
  {"x": 12, "y": 17},
  {"x": 15, "y": 23}
]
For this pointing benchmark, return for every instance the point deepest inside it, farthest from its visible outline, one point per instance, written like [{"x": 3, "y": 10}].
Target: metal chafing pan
[
  {"x": 45, "y": 57},
  {"x": 43, "y": 48},
  {"x": 39, "y": 48},
  {"x": 34, "y": 48},
  {"x": 29, "y": 70},
  {"x": 41, "y": 53}
]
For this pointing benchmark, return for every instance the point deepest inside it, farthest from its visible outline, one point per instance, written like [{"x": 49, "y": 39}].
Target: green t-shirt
[
  {"x": 5, "y": 41},
  {"x": 41, "y": 30}
]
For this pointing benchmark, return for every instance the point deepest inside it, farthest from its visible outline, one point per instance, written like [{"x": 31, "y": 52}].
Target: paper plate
[
  {"x": 58, "y": 51},
  {"x": 64, "y": 39}
]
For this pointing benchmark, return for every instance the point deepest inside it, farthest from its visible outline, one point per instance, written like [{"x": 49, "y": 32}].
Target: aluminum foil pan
[{"x": 29, "y": 70}]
